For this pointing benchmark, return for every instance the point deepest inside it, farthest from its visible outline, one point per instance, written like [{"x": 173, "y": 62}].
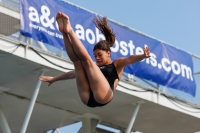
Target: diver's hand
[
  {"x": 146, "y": 52},
  {"x": 48, "y": 79}
]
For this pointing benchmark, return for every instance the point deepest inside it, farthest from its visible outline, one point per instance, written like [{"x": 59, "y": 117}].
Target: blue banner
[{"x": 167, "y": 65}]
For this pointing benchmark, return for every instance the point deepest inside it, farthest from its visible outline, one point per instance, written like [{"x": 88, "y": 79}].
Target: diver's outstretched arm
[
  {"x": 122, "y": 62},
  {"x": 65, "y": 76}
]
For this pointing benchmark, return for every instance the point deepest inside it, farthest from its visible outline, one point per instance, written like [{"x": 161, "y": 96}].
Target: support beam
[
  {"x": 130, "y": 125},
  {"x": 89, "y": 122},
  {"x": 32, "y": 102},
  {"x": 3, "y": 122}
]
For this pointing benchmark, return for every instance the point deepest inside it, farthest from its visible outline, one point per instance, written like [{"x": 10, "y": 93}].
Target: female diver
[{"x": 96, "y": 82}]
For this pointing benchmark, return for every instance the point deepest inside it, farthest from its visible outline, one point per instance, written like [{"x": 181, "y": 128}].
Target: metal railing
[{"x": 13, "y": 4}]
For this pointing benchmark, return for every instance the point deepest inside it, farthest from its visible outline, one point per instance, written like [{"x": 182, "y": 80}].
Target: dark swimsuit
[{"x": 110, "y": 73}]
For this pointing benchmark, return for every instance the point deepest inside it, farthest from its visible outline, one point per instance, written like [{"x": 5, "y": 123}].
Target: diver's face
[{"x": 101, "y": 56}]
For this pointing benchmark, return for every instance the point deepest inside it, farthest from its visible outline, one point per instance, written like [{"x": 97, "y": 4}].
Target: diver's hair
[{"x": 102, "y": 25}]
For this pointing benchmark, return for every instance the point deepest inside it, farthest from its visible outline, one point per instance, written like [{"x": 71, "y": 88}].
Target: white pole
[
  {"x": 159, "y": 90},
  {"x": 20, "y": 36},
  {"x": 58, "y": 130},
  {"x": 3, "y": 122},
  {"x": 41, "y": 45},
  {"x": 89, "y": 122},
  {"x": 31, "y": 105},
  {"x": 128, "y": 130}
]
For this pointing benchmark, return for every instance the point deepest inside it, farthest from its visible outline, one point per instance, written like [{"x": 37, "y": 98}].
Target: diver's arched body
[{"x": 95, "y": 87}]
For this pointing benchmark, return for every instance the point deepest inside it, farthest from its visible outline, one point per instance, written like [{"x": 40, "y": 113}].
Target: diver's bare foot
[
  {"x": 66, "y": 24},
  {"x": 60, "y": 23}
]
